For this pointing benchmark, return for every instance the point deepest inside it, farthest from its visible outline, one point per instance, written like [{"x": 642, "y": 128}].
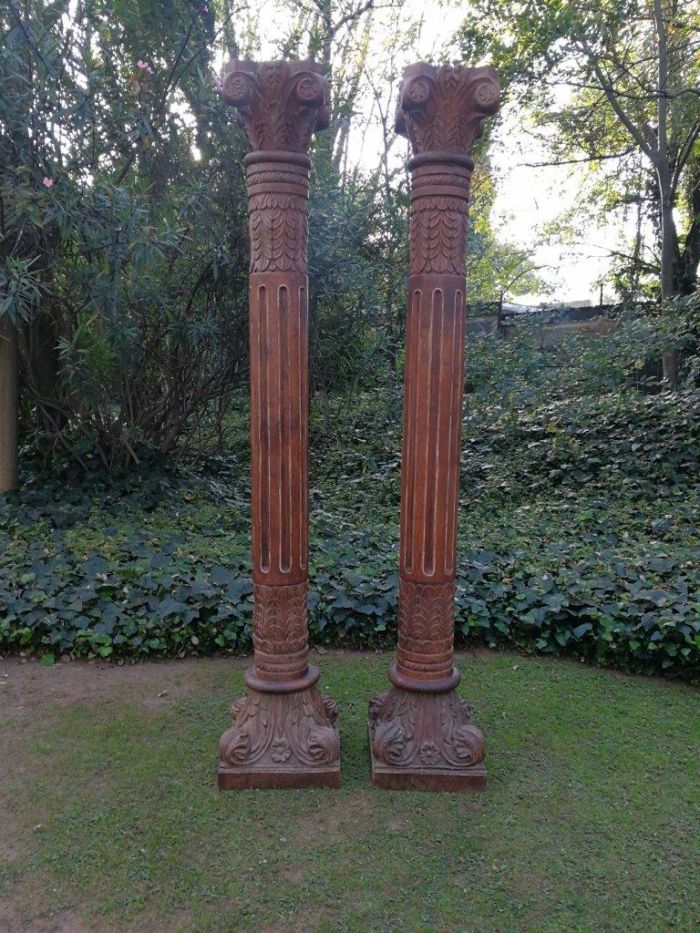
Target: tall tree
[{"x": 610, "y": 79}]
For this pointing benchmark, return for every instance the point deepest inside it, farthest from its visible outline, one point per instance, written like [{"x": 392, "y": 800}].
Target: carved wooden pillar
[
  {"x": 421, "y": 735},
  {"x": 283, "y": 732}
]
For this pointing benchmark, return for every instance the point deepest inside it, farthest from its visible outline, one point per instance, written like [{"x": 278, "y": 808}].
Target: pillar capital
[
  {"x": 280, "y": 105},
  {"x": 442, "y": 107}
]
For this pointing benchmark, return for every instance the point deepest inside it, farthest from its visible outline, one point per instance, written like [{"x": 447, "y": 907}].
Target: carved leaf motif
[
  {"x": 469, "y": 744},
  {"x": 390, "y": 743},
  {"x": 280, "y": 618},
  {"x": 331, "y": 707},
  {"x": 424, "y": 730},
  {"x": 438, "y": 236},
  {"x": 443, "y": 108},
  {"x": 323, "y": 745},
  {"x": 234, "y": 747},
  {"x": 278, "y": 234},
  {"x": 426, "y": 615},
  {"x": 290, "y": 730},
  {"x": 375, "y": 706}
]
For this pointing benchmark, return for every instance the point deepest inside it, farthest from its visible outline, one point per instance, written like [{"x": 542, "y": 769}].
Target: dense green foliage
[
  {"x": 122, "y": 248},
  {"x": 578, "y": 528},
  {"x": 123, "y": 225},
  {"x": 123, "y": 232}
]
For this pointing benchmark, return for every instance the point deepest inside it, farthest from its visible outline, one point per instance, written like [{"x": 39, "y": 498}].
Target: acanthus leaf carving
[
  {"x": 424, "y": 730},
  {"x": 279, "y": 104},
  {"x": 295, "y": 730},
  {"x": 426, "y": 616},
  {"x": 442, "y": 108},
  {"x": 438, "y": 233},
  {"x": 278, "y": 233},
  {"x": 280, "y": 628}
]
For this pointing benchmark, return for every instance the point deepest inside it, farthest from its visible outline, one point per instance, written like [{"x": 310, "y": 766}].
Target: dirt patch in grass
[
  {"x": 28, "y": 687},
  {"x": 12, "y": 919}
]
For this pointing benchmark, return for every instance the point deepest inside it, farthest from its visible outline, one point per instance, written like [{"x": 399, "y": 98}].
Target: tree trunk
[
  {"x": 669, "y": 252},
  {"x": 8, "y": 404},
  {"x": 43, "y": 368},
  {"x": 688, "y": 266},
  {"x": 669, "y": 239},
  {"x": 669, "y": 235}
]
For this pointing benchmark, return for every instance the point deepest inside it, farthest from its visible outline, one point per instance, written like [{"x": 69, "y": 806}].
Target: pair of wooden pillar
[{"x": 283, "y": 732}]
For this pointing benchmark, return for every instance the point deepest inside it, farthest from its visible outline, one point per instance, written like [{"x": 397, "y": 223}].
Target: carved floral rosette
[{"x": 426, "y": 731}]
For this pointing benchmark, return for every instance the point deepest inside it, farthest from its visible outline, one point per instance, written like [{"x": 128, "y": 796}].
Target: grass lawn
[{"x": 111, "y": 819}]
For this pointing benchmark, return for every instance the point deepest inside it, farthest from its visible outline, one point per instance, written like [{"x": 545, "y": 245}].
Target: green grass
[{"x": 591, "y": 819}]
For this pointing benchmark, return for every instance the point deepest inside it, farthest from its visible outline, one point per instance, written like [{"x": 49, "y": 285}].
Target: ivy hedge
[{"x": 578, "y": 536}]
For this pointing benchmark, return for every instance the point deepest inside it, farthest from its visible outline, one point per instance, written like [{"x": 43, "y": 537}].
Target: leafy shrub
[{"x": 123, "y": 231}]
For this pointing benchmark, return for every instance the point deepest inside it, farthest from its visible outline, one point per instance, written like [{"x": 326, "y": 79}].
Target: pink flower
[
  {"x": 47, "y": 182},
  {"x": 144, "y": 66},
  {"x": 218, "y": 84}
]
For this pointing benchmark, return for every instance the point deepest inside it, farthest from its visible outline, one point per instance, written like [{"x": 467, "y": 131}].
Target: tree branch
[
  {"x": 587, "y": 159},
  {"x": 634, "y": 131}
]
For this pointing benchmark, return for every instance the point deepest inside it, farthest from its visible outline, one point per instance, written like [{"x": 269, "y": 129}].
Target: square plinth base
[
  {"x": 261, "y": 779},
  {"x": 469, "y": 780}
]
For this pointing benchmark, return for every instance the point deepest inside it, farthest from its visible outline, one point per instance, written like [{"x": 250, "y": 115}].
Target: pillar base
[
  {"x": 423, "y": 740},
  {"x": 280, "y": 739}
]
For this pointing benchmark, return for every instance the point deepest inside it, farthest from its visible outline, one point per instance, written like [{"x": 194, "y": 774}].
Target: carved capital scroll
[
  {"x": 280, "y": 104},
  {"x": 442, "y": 108}
]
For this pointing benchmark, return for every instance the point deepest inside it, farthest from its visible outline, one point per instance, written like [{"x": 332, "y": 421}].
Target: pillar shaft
[
  {"x": 434, "y": 379},
  {"x": 420, "y": 731},
  {"x": 283, "y": 732},
  {"x": 278, "y": 193}
]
